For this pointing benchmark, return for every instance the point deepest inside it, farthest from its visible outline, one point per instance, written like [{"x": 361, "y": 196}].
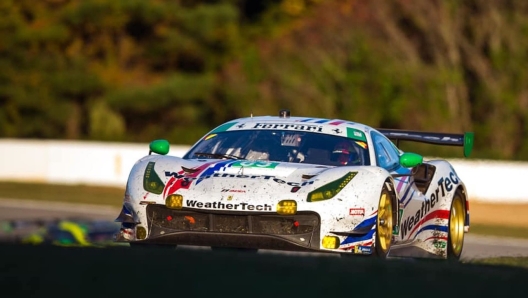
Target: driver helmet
[{"x": 345, "y": 154}]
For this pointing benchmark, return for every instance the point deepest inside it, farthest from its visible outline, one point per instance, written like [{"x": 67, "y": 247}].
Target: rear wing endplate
[{"x": 447, "y": 139}]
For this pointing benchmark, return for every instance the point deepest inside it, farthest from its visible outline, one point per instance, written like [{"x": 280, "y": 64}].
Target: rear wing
[{"x": 447, "y": 139}]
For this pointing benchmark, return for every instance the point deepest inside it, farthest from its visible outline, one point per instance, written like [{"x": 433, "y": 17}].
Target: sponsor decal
[
  {"x": 440, "y": 244},
  {"x": 293, "y": 126},
  {"x": 228, "y": 206},
  {"x": 186, "y": 180},
  {"x": 233, "y": 190},
  {"x": 182, "y": 180},
  {"x": 356, "y": 134},
  {"x": 356, "y": 211},
  {"x": 254, "y": 164},
  {"x": 174, "y": 182},
  {"x": 444, "y": 185},
  {"x": 147, "y": 202},
  {"x": 361, "y": 249}
]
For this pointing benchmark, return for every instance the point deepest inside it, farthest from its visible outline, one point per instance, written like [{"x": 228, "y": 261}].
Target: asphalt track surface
[{"x": 475, "y": 246}]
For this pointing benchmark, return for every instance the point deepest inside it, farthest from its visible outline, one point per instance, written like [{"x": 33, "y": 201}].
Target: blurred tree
[
  {"x": 134, "y": 70},
  {"x": 70, "y": 63},
  {"x": 439, "y": 65}
]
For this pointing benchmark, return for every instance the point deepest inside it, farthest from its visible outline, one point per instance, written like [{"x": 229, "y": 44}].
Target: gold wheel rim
[
  {"x": 456, "y": 226},
  {"x": 384, "y": 224}
]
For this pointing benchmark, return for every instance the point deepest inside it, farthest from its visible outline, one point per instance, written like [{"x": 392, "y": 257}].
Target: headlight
[
  {"x": 151, "y": 180},
  {"x": 141, "y": 232},
  {"x": 174, "y": 201},
  {"x": 287, "y": 207},
  {"x": 331, "y": 189}
]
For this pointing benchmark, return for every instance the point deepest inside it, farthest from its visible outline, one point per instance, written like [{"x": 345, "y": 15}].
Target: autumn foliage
[{"x": 135, "y": 70}]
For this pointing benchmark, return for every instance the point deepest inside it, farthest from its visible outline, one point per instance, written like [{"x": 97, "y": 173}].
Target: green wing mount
[
  {"x": 469, "y": 137},
  {"x": 465, "y": 140}
]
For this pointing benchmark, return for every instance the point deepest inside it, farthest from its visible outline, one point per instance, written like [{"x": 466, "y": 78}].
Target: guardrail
[{"x": 108, "y": 164}]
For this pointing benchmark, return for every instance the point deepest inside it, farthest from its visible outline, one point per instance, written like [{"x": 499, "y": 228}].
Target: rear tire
[
  {"x": 457, "y": 219},
  {"x": 384, "y": 225}
]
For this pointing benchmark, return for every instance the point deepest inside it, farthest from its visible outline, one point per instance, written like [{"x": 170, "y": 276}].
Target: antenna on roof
[{"x": 284, "y": 113}]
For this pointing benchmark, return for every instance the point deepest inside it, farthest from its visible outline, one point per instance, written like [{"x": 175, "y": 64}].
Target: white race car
[{"x": 299, "y": 183}]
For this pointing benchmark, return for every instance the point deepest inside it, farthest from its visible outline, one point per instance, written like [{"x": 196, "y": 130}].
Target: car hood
[{"x": 217, "y": 179}]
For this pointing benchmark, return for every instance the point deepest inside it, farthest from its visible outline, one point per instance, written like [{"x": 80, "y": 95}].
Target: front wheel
[
  {"x": 384, "y": 225},
  {"x": 457, "y": 217}
]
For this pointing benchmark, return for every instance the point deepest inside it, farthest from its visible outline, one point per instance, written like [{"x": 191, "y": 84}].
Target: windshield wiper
[{"x": 217, "y": 155}]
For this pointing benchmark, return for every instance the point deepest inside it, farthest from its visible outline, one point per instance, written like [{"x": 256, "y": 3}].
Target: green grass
[
  {"x": 63, "y": 193},
  {"x": 503, "y": 231},
  {"x": 504, "y": 261}
]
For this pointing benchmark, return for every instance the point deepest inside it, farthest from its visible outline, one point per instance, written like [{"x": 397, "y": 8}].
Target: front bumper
[{"x": 233, "y": 229}]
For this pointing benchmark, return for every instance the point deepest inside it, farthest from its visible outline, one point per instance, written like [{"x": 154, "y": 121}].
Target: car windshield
[{"x": 283, "y": 146}]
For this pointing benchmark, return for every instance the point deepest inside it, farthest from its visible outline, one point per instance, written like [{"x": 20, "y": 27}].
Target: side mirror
[
  {"x": 410, "y": 160},
  {"x": 159, "y": 146}
]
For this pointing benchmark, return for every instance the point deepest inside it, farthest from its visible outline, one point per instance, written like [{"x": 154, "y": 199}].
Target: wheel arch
[
  {"x": 389, "y": 184},
  {"x": 463, "y": 193}
]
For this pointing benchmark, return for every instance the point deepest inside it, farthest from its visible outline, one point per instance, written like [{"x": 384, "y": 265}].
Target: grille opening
[{"x": 254, "y": 223}]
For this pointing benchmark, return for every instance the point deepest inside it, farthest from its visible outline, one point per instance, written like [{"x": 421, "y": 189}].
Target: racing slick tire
[
  {"x": 384, "y": 224},
  {"x": 457, "y": 219}
]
